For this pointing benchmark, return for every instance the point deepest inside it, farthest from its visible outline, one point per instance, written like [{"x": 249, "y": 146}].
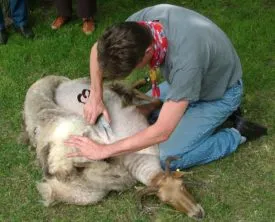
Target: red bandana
[{"x": 160, "y": 44}]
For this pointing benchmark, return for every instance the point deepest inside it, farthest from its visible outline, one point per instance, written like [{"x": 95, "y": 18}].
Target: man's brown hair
[{"x": 122, "y": 47}]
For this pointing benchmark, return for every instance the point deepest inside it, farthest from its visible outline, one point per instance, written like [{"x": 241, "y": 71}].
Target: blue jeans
[
  {"x": 2, "y": 22},
  {"x": 194, "y": 141},
  {"x": 18, "y": 13}
]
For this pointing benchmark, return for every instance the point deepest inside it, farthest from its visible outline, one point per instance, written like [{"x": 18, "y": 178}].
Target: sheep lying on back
[{"x": 52, "y": 113}]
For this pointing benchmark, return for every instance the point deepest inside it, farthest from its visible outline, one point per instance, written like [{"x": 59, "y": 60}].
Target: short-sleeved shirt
[{"x": 201, "y": 62}]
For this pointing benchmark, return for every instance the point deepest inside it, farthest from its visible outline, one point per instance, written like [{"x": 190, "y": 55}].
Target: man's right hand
[{"x": 94, "y": 108}]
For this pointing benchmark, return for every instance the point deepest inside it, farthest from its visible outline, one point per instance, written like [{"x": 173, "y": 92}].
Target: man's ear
[{"x": 149, "y": 50}]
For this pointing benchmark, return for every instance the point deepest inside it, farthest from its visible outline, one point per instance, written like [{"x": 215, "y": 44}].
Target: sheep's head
[{"x": 169, "y": 187}]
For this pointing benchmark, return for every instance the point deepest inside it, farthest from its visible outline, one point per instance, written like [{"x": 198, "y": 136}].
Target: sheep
[{"x": 52, "y": 113}]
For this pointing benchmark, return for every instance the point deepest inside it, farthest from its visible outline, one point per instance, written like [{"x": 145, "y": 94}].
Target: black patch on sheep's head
[{"x": 83, "y": 96}]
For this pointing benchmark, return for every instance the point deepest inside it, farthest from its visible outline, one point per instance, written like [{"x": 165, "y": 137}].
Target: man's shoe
[
  {"x": 26, "y": 31},
  {"x": 3, "y": 37},
  {"x": 88, "y": 26},
  {"x": 236, "y": 114},
  {"x": 59, "y": 21},
  {"x": 250, "y": 130}
]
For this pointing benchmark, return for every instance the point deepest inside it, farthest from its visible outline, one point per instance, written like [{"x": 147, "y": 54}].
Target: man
[
  {"x": 19, "y": 15},
  {"x": 203, "y": 85}
]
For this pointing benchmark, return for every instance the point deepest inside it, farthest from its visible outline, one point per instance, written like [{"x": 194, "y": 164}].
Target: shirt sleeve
[
  {"x": 185, "y": 85},
  {"x": 131, "y": 19},
  {"x": 134, "y": 17}
]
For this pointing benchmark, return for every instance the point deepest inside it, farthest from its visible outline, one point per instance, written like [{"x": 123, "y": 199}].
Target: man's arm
[
  {"x": 170, "y": 115},
  {"x": 95, "y": 74},
  {"x": 95, "y": 106}
]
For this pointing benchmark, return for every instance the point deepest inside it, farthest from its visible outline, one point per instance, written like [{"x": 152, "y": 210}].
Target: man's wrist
[
  {"x": 107, "y": 150},
  {"x": 97, "y": 95}
]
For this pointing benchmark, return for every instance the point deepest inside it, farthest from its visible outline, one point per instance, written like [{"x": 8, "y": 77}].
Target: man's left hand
[{"x": 87, "y": 148}]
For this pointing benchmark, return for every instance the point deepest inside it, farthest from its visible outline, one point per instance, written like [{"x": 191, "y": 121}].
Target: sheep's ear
[
  {"x": 23, "y": 137},
  {"x": 177, "y": 174}
]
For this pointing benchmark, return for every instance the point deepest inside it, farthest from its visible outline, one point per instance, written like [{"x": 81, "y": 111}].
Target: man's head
[{"x": 123, "y": 47}]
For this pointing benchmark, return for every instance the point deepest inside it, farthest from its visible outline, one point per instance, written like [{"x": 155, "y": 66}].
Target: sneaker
[
  {"x": 59, "y": 21},
  {"x": 88, "y": 26}
]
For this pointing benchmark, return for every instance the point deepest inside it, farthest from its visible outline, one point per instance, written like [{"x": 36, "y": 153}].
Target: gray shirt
[{"x": 201, "y": 62}]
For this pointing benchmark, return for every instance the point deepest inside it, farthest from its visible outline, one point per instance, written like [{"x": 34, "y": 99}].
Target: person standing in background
[
  {"x": 19, "y": 14},
  {"x": 86, "y": 10}
]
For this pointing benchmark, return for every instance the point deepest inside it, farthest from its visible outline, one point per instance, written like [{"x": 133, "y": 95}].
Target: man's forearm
[
  {"x": 150, "y": 136},
  {"x": 96, "y": 74}
]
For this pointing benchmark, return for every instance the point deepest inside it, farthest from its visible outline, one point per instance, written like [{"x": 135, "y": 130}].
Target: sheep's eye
[{"x": 79, "y": 169}]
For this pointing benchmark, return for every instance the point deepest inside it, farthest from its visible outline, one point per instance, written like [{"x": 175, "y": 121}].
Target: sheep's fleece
[{"x": 53, "y": 110}]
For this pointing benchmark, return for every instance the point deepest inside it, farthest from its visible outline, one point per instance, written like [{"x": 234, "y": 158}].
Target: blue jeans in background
[
  {"x": 194, "y": 141},
  {"x": 18, "y": 13},
  {"x": 2, "y": 22}
]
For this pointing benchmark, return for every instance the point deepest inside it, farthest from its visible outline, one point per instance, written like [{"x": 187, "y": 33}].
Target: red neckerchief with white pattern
[{"x": 160, "y": 44}]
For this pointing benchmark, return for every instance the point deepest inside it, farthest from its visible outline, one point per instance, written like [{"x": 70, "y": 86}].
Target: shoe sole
[
  {"x": 54, "y": 28},
  {"x": 88, "y": 32}
]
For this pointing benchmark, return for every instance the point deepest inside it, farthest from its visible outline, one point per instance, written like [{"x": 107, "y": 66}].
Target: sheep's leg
[
  {"x": 150, "y": 104},
  {"x": 53, "y": 190},
  {"x": 139, "y": 83},
  {"x": 148, "y": 108},
  {"x": 143, "y": 96}
]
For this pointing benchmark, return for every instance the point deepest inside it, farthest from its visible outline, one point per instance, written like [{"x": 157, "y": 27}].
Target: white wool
[
  {"x": 66, "y": 127},
  {"x": 52, "y": 113},
  {"x": 126, "y": 121}
]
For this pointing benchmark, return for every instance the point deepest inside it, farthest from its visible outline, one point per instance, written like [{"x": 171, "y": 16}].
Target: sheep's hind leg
[
  {"x": 53, "y": 190},
  {"x": 149, "y": 103}
]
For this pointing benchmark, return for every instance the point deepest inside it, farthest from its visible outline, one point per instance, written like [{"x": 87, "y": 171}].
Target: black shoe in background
[
  {"x": 26, "y": 31},
  {"x": 3, "y": 37}
]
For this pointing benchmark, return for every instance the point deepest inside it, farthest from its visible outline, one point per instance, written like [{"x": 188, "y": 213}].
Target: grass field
[{"x": 237, "y": 188}]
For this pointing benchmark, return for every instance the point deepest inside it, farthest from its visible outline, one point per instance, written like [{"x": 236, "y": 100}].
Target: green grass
[{"x": 238, "y": 188}]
